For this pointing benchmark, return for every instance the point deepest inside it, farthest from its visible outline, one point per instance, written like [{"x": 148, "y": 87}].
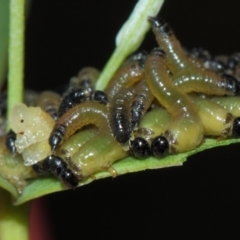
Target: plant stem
[
  {"x": 13, "y": 219},
  {"x": 4, "y": 32},
  {"x": 16, "y": 53},
  {"x": 129, "y": 37}
]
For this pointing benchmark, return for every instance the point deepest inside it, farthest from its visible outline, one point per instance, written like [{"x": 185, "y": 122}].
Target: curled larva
[
  {"x": 186, "y": 75},
  {"x": 98, "y": 154},
  {"x": 32, "y": 126},
  {"x": 186, "y": 130},
  {"x": 125, "y": 77},
  {"x": 87, "y": 113}
]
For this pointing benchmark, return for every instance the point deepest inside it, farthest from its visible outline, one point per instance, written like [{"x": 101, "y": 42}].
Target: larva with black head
[
  {"x": 87, "y": 113},
  {"x": 186, "y": 75},
  {"x": 186, "y": 130},
  {"x": 176, "y": 58}
]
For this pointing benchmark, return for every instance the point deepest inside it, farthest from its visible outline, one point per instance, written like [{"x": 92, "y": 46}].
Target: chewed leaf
[{"x": 43, "y": 186}]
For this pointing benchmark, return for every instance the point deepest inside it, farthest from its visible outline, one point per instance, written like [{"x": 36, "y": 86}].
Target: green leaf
[{"x": 43, "y": 186}]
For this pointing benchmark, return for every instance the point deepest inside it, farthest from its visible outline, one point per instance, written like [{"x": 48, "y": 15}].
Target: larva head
[
  {"x": 236, "y": 127},
  {"x": 159, "y": 25},
  {"x": 160, "y": 146},
  {"x": 140, "y": 148},
  {"x": 10, "y": 141}
]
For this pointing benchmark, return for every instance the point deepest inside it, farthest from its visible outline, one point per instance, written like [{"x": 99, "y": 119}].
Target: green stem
[
  {"x": 16, "y": 53},
  {"x": 4, "y": 32},
  {"x": 129, "y": 37},
  {"x": 13, "y": 219}
]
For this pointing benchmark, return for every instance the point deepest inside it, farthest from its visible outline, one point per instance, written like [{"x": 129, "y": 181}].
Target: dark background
[{"x": 200, "y": 199}]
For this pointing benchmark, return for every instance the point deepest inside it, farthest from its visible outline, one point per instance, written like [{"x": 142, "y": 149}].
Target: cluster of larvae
[{"x": 164, "y": 102}]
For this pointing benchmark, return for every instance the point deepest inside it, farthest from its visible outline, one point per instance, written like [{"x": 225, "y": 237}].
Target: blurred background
[{"x": 200, "y": 199}]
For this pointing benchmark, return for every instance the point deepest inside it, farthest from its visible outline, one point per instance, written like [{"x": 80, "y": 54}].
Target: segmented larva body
[
  {"x": 32, "y": 126},
  {"x": 119, "y": 115},
  {"x": 186, "y": 130},
  {"x": 49, "y": 102},
  {"x": 98, "y": 154},
  {"x": 142, "y": 100},
  {"x": 124, "y": 77},
  {"x": 216, "y": 120},
  {"x": 154, "y": 123},
  {"x": 231, "y": 104},
  {"x": 176, "y": 58},
  {"x": 186, "y": 75},
  {"x": 87, "y": 113},
  {"x": 72, "y": 145}
]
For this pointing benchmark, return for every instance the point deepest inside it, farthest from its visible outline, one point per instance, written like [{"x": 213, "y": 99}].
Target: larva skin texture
[
  {"x": 186, "y": 130},
  {"x": 141, "y": 102},
  {"x": 154, "y": 123},
  {"x": 72, "y": 99},
  {"x": 98, "y": 154},
  {"x": 186, "y": 75},
  {"x": 195, "y": 80},
  {"x": 216, "y": 120},
  {"x": 72, "y": 145},
  {"x": 77, "y": 117},
  {"x": 119, "y": 115},
  {"x": 231, "y": 104},
  {"x": 177, "y": 60},
  {"x": 32, "y": 126},
  {"x": 124, "y": 77},
  {"x": 49, "y": 101}
]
